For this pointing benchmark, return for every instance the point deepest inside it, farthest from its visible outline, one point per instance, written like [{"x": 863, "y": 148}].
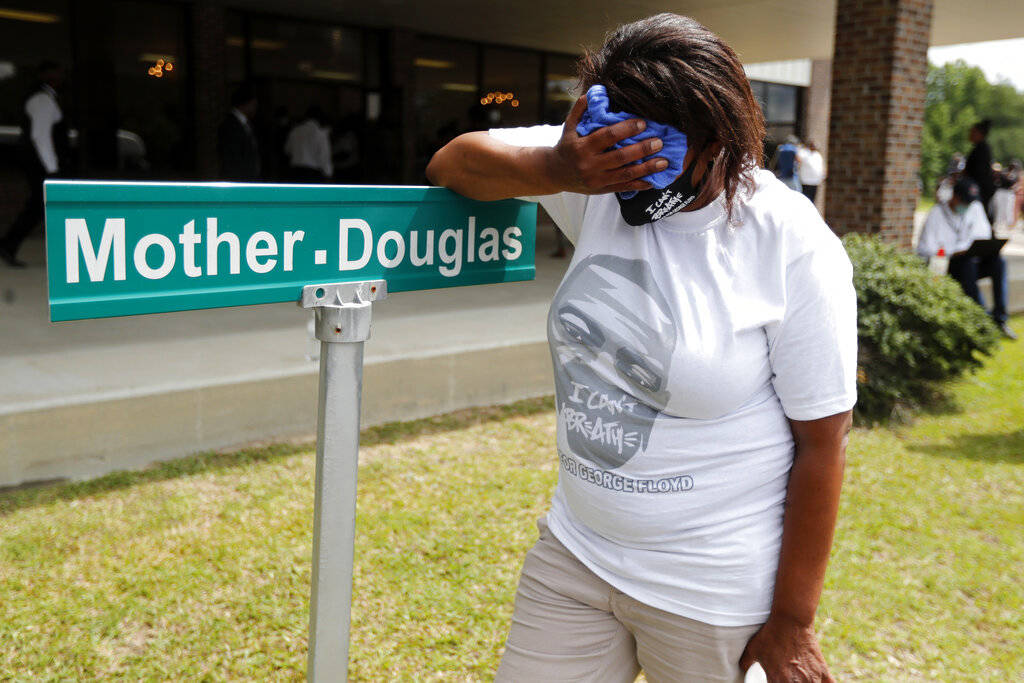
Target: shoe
[
  {"x": 1007, "y": 332},
  {"x": 8, "y": 257}
]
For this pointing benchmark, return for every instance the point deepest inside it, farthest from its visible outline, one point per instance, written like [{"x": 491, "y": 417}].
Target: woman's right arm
[{"x": 480, "y": 167}]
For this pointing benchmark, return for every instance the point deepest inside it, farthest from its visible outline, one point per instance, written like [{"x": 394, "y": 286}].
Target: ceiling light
[
  {"x": 35, "y": 17},
  {"x": 333, "y": 75},
  {"x": 156, "y": 57},
  {"x": 432, "y": 63},
  {"x": 267, "y": 44}
]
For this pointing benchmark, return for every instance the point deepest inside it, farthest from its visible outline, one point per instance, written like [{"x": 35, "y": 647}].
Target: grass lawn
[{"x": 199, "y": 569}]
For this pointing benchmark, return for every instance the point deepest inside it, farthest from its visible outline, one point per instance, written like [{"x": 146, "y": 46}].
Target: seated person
[{"x": 953, "y": 226}]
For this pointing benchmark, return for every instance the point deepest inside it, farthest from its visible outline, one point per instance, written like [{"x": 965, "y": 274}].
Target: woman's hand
[
  {"x": 587, "y": 165},
  {"x": 481, "y": 167},
  {"x": 787, "y": 651},
  {"x": 786, "y": 645}
]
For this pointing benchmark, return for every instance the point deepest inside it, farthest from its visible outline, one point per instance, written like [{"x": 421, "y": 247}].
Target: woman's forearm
[
  {"x": 809, "y": 521},
  {"x": 478, "y": 166}
]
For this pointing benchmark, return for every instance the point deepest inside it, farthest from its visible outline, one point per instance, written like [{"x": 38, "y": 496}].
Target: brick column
[
  {"x": 878, "y": 89},
  {"x": 819, "y": 98},
  {"x": 208, "y": 80}
]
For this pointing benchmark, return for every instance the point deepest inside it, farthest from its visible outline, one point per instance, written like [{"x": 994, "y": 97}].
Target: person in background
[
  {"x": 1003, "y": 206},
  {"x": 784, "y": 163},
  {"x": 237, "y": 144},
  {"x": 1016, "y": 177},
  {"x": 978, "y": 166},
  {"x": 308, "y": 149},
  {"x": 951, "y": 227},
  {"x": 44, "y": 153},
  {"x": 810, "y": 169},
  {"x": 346, "y": 150},
  {"x": 954, "y": 169},
  {"x": 281, "y": 125}
]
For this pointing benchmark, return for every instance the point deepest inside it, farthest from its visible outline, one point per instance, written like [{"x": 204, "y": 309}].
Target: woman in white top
[
  {"x": 811, "y": 169},
  {"x": 705, "y": 370}
]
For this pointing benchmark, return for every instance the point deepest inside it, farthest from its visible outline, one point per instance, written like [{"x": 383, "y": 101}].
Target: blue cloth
[
  {"x": 786, "y": 166},
  {"x": 598, "y": 116}
]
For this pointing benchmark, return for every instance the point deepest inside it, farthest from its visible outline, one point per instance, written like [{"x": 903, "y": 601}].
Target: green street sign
[{"x": 117, "y": 248}]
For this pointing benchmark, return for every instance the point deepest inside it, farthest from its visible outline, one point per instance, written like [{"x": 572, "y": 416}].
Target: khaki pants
[{"x": 570, "y": 625}]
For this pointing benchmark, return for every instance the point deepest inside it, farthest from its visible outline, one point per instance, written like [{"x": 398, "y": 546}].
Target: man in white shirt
[
  {"x": 43, "y": 139},
  {"x": 308, "y": 148},
  {"x": 952, "y": 227}
]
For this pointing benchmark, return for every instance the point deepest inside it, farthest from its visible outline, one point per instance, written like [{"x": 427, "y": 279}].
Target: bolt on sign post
[{"x": 116, "y": 249}]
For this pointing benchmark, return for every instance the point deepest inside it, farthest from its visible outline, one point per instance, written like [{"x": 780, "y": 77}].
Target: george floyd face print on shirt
[{"x": 612, "y": 337}]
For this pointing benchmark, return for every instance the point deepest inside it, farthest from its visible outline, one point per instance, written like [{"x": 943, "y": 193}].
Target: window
[
  {"x": 306, "y": 51},
  {"x": 235, "y": 52},
  {"x": 31, "y": 31},
  {"x": 780, "y": 104},
  {"x": 296, "y": 65},
  {"x": 559, "y": 88},
  {"x": 150, "y": 67},
  {"x": 446, "y": 96},
  {"x": 511, "y": 87}
]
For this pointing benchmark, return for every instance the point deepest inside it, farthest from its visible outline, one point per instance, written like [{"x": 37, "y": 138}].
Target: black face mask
[{"x": 650, "y": 205}]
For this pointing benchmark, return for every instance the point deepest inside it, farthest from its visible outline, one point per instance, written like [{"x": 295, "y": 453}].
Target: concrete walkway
[{"x": 78, "y": 399}]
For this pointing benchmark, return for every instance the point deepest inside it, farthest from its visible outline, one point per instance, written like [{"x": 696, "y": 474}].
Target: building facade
[{"x": 149, "y": 82}]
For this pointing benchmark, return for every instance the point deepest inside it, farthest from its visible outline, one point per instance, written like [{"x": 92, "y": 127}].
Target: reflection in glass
[
  {"x": 30, "y": 31},
  {"x": 149, "y": 65},
  {"x": 511, "y": 87},
  {"x": 308, "y": 51},
  {"x": 560, "y": 88},
  {"x": 446, "y": 95},
  {"x": 781, "y": 103}
]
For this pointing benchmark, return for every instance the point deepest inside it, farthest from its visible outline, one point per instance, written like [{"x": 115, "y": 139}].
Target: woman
[
  {"x": 705, "y": 372},
  {"x": 811, "y": 170}
]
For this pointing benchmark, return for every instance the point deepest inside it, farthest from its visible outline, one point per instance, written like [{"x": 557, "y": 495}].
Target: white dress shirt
[
  {"x": 43, "y": 113},
  {"x": 309, "y": 146}
]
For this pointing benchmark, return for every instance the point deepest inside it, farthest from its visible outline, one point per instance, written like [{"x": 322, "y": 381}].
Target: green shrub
[{"x": 915, "y": 330}]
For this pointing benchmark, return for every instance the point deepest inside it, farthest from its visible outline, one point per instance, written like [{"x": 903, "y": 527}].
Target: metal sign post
[
  {"x": 342, "y": 325},
  {"x": 118, "y": 249}
]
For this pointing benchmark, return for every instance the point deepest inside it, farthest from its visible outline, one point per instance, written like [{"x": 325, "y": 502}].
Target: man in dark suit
[{"x": 237, "y": 144}]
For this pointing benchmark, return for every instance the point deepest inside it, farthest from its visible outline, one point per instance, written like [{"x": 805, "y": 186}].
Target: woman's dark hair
[
  {"x": 673, "y": 70},
  {"x": 965, "y": 190},
  {"x": 983, "y": 126}
]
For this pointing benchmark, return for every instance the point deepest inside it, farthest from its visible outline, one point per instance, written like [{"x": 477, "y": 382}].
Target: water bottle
[
  {"x": 755, "y": 674},
  {"x": 939, "y": 264}
]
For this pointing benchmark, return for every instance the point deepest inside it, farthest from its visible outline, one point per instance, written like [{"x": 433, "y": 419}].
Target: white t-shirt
[
  {"x": 308, "y": 145},
  {"x": 951, "y": 231},
  {"x": 680, "y": 348},
  {"x": 811, "y": 167}
]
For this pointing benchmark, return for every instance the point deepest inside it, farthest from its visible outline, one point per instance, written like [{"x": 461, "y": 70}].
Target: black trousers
[
  {"x": 31, "y": 214},
  {"x": 810, "y": 191},
  {"x": 968, "y": 270}
]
